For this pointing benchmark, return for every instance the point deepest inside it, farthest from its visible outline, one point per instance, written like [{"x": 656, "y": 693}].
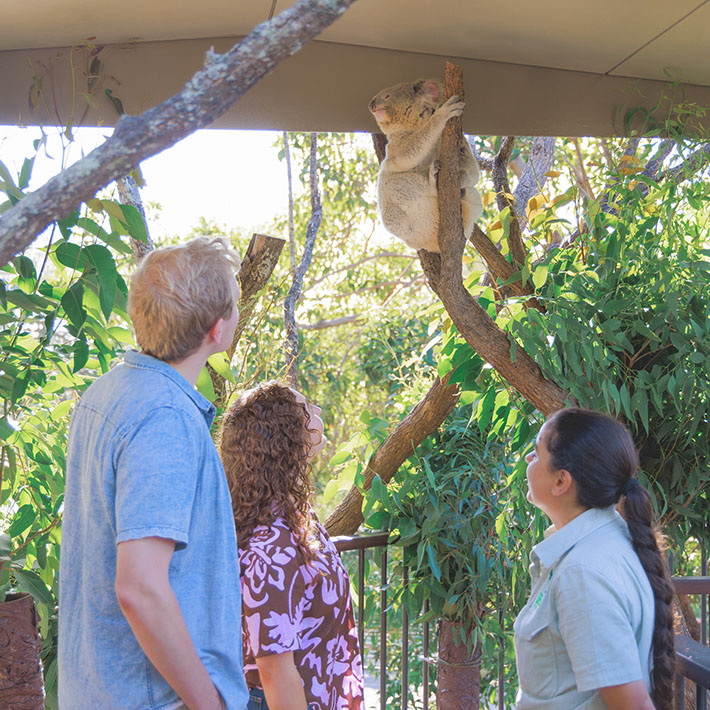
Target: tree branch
[
  {"x": 291, "y": 344},
  {"x": 334, "y": 323},
  {"x": 130, "y": 195},
  {"x": 258, "y": 264},
  {"x": 689, "y": 167},
  {"x": 502, "y": 188},
  {"x": 291, "y": 231},
  {"x": 381, "y": 255},
  {"x": 378, "y": 285},
  {"x": 484, "y": 163},
  {"x": 533, "y": 179},
  {"x": 425, "y": 418},
  {"x": 472, "y": 321},
  {"x": 210, "y": 92},
  {"x": 655, "y": 163}
]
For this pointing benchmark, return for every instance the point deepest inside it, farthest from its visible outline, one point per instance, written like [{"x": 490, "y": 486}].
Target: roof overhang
[{"x": 545, "y": 68}]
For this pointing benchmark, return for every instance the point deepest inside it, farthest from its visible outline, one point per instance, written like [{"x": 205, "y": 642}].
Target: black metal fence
[{"x": 694, "y": 656}]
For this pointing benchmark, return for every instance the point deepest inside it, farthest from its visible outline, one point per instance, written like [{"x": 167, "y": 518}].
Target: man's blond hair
[{"x": 178, "y": 293}]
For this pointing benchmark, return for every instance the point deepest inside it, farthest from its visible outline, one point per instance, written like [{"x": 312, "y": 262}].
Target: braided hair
[{"x": 600, "y": 455}]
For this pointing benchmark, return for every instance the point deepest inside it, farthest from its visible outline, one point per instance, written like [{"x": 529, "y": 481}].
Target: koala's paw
[{"x": 453, "y": 106}]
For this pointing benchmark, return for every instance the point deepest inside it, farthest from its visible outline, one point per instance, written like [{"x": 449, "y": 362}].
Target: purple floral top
[{"x": 289, "y": 605}]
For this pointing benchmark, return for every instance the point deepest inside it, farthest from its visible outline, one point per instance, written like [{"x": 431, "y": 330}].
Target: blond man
[{"x": 149, "y": 601}]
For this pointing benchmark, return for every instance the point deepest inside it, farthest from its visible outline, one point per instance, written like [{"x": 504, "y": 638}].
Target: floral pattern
[{"x": 304, "y": 608}]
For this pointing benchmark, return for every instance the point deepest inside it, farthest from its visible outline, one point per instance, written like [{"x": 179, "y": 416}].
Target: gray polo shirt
[
  {"x": 589, "y": 621},
  {"x": 141, "y": 463}
]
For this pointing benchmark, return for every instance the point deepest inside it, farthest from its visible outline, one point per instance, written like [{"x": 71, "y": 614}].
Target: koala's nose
[{"x": 372, "y": 106}]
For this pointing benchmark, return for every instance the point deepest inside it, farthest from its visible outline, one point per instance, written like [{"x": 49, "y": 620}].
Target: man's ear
[
  {"x": 214, "y": 334},
  {"x": 563, "y": 482}
]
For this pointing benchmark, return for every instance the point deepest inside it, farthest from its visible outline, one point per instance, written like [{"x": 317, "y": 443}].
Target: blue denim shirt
[{"x": 141, "y": 463}]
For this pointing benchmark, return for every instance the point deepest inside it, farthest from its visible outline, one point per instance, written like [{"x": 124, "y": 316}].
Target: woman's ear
[{"x": 563, "y": 483}]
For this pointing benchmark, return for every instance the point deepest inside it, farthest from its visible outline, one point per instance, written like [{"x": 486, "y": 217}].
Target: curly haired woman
[
  {"x": 597, "y": 631},
  {"x": 298, "y": 633}
]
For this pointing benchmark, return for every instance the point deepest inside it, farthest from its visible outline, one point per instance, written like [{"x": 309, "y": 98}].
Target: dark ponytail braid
[
  {"x": 638, "y": 512},
  {"x": 600, "y": 455}
]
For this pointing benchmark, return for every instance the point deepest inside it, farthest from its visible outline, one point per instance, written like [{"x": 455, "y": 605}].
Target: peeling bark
[
  {"x": 425, "y": 418},
  {"x": 209, "y": 94}
]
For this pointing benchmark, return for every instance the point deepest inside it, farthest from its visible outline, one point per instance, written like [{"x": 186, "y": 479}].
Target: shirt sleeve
[
  {"x": 156, "y": 478},
  {"x": 596, "y": 629},
  {"x": 273, "y": 594}
]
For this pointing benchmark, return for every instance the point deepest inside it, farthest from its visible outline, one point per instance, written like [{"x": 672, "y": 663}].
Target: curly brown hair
[{"x": 265, "y": 444}]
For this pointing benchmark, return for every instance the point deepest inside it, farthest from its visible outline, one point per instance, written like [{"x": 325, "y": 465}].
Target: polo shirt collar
[
  {"x": 559, "y": 542},
  {"x": 141, "y": 360}
]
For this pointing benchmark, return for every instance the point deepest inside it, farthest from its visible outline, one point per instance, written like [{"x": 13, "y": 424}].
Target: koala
[{"x": 413, "y": 116}]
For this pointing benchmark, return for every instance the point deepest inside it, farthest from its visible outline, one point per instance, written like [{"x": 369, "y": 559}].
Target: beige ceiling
[{"x": 543, "y": 66}]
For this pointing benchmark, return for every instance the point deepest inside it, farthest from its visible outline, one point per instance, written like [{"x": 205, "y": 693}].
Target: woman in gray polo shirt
[{"x": 597, "y": 631}]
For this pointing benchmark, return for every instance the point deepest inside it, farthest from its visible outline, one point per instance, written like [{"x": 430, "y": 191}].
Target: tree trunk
[
  {"x": 21, "y": 681},
  {"x": 458, "y": 675},
  {"x": 445, "y": 277}
]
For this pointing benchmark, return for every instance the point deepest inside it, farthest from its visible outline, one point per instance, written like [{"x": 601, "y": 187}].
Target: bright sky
[{"x": 233, "y": 177}]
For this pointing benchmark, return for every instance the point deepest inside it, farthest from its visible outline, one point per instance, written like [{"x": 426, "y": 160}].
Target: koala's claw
[{"x": 452, "y": 107}]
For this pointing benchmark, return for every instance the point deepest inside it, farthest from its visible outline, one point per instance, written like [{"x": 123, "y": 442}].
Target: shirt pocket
[{"x": 535, "y": 652}]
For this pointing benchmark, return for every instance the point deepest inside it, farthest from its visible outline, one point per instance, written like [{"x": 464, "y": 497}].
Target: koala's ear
[{"x": 432, "y": 88}]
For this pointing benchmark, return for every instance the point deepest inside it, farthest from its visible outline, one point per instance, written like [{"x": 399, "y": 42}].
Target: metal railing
[
  {"x": 694, "y": 656},
  {"x": 362, "y": 543}
]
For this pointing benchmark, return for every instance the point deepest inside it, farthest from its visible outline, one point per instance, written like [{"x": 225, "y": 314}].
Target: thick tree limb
[
  {"x": 291, "y": 344},
  {"x": 690, "y": 166},
  {"x": 425, "y": 418},
  {"x": 533, "y": 179},
  {"x": 130, "y": 195},
  {"x": 258, "y": 264},
  {"x": 499, "y": 266},
  {"x": 210, "y": 92},
  {"x": 656, "y": 161},
  {"x": 472, "y": 321}
]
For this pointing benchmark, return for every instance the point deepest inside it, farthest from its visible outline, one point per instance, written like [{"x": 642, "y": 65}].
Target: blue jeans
[{"x": 257, "y": 701}]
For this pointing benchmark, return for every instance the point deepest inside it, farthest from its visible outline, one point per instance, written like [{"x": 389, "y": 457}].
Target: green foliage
[{"x": 627, "y": 331}]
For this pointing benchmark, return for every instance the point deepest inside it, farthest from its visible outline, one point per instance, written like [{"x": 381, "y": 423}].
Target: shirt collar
[
  {"x": 559, "y": 542},
  {"x": 148, "y": 362}
]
